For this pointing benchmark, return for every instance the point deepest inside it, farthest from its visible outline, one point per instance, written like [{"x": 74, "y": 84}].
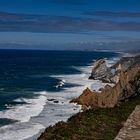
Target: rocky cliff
[
  {"x": 100, "y": 71},
  {"x": 104, "y": 123},
  {"x": 128, "y": 85},
  {"x": 111, "y": 74}
]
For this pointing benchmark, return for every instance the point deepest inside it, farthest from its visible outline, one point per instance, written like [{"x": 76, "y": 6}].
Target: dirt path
[{"x": 131, "y": 129}]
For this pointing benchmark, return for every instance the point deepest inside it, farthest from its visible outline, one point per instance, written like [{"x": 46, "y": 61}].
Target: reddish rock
[{"x": 111, "y": 96}]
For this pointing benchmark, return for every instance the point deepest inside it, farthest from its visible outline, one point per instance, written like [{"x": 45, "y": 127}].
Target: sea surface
[{"x": 36, "y": 87}]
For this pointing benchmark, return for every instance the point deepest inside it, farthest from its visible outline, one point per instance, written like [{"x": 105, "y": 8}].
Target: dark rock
[
  {"x": 101, "y": 89},
  {"x": 55, "y": 101},
  {"x": 51, "y": 99}
]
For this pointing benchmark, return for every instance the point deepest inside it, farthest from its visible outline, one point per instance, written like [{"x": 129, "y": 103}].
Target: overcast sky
[{"x": 52, "y": 22}]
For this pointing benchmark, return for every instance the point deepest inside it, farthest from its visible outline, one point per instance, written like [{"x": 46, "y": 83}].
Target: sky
[{"x": 44, "y": 24}]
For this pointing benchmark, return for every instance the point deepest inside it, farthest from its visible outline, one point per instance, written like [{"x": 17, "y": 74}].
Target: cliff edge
[
  {"x": 127, "y": 85},
  {"x": 109, "y": 109}
]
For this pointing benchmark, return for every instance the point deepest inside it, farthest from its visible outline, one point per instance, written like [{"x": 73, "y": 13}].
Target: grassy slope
[{"x": 96, "y": 124}]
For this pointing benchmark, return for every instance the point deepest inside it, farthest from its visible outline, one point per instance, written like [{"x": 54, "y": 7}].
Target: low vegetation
[{"x": 95, "y": 124}]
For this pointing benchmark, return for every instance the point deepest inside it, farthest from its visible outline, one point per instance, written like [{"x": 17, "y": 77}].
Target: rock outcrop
[
  {"x": 87, "y": 98},
  {"x": 111, "y": 74},
  {"x": 128, "y": 86},
  {"x": 100, "y": 71}
]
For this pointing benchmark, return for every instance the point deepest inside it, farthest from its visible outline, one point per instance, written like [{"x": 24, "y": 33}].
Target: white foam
[
  {"x": 52, "y": 111},
  {"x": 1, "y": 89},
  {"x": 24, "y": 112},
  {"x": 8, "y": 106},
  {"x": 61, "y": 83},
  {"x": 41, "y": 92},
  {"x": 19, "y": 131},
  {"x": 81, "y": 79},
  {"x": 112, "y": 61},
  {"x": 55, "y": 112}
]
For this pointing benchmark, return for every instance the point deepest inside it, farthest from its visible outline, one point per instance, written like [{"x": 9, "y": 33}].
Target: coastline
[
  {"x": 93, "y": 84},
  {"x": 74, "y": 118},
  {"x": 57, "y": 107}
]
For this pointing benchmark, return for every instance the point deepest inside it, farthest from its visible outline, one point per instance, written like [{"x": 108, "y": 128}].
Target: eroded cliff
[{"x": 128, "y": 85}]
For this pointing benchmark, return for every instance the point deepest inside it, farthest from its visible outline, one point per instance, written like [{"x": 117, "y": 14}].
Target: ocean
[{"x": 36, "y": 87}]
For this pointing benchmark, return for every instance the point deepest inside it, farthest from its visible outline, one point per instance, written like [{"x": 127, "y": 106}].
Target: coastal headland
[{"x": 105, "y": 111}]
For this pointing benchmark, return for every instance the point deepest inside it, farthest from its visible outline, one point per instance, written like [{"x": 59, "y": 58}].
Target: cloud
[
  {"x": 112, "y": 14},
  {"x": 45, "y": 23}
]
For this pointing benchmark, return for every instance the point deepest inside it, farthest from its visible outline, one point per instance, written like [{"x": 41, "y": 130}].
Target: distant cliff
[{"x": 126, "y": 76}]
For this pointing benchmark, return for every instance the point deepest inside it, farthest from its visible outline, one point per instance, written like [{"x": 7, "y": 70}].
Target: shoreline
[
  {"x": 95, "y": 84},
  {"x": 50, "y": 129},
  {"x": 73, "y": 92}
]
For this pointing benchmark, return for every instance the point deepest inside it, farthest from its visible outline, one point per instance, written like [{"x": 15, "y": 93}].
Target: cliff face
[
  {"x": 128, "y": 86},
  {"x": 100, "y": 71},
  {"x": 103, "y": 123},
  {"x": 87, "y": 98}
]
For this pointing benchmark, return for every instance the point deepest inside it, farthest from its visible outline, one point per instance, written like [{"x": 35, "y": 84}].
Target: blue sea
[{"x": 36, "y": 87}]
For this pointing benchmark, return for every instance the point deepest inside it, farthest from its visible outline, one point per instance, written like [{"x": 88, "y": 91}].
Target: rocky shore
[
  {"x": 106, "y": 110},
  {"x": 125, "y": 75}
]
